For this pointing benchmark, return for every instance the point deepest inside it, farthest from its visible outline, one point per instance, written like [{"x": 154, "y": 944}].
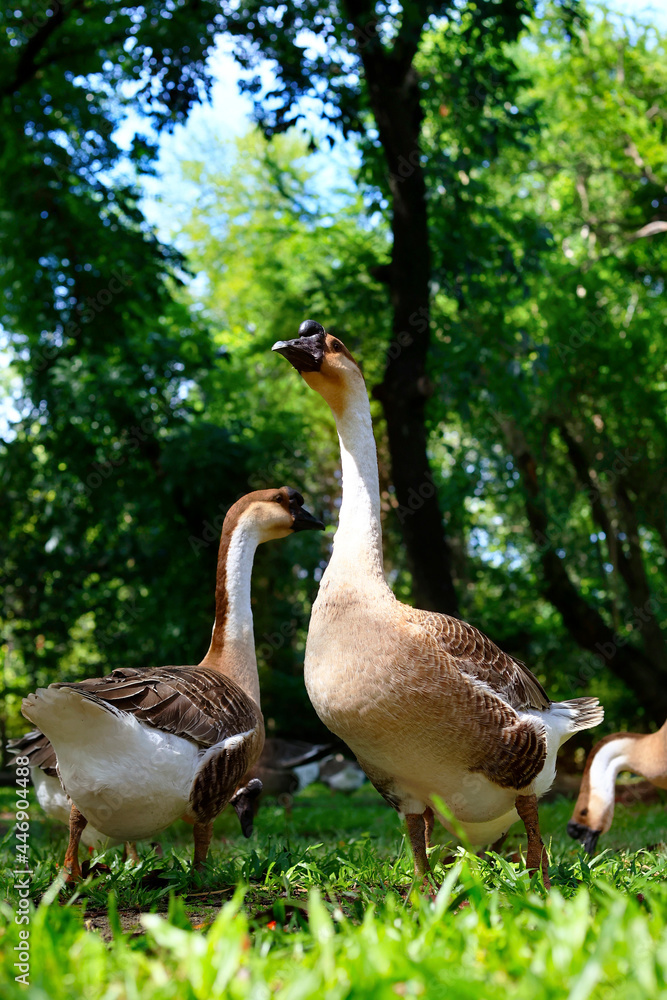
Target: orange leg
[
  {"x": 202, "y": 834},
  {"x": 130, "y": 852},
  {"x": 429, "y": 823},
  {"x": 416, "y": 825},
  {"x": 77, "y": 824},
  {"x": 536, "y": 857}
]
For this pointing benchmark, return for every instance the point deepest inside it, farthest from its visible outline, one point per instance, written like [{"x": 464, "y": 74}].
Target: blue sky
[{"x": 229, "y": 114}]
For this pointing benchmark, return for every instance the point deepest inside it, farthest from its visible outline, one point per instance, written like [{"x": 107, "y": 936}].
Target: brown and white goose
[
  {"x": 428, "y": 704},
  {"x": 642, "y": 753},
  {"x": 36, "y": 752},
  {"x": 138, "y": 749}
]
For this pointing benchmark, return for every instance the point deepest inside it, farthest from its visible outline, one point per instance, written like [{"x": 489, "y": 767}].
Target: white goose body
[
  {"x": 54, "y": 802},
  {"x": 131, "y": 781},
  {"x": 36, "y": 752},
  {"x": 428, "y": 704}
]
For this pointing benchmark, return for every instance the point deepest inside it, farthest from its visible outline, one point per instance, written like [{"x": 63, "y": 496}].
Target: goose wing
[
  {"x": 37, "y": 748},
  {"x": 285, "y": 754},
  {"x": 478, "y": 658},
  {"x": 195, "y": 703},
  {"x": 512, "y": 749}
]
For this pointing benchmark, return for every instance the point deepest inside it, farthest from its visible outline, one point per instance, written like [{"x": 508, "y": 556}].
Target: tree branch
[
  {"x": 27, "y": 65},
  {"x": 650, "y": 229}
]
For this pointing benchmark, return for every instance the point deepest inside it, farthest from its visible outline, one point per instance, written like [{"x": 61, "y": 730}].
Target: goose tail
[
  {"x": 577, "y": 714},
  {"x": 26, "y": 744},
  {"x": 58, "y": 711}
]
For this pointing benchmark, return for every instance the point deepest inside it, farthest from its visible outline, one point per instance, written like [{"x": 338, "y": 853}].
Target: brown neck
[
  {"x": 648, "y": 757},
  {"x": 214, "y": 656}
]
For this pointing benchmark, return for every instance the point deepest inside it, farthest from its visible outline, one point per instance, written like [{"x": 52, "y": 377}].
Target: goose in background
[
  {"x": 340, "y": 774},
  {"x": 292, "y": 765},
  {"x": 286, "y": 767},
  {"x": 644, "y": 754},
  {"x": 280, "y": 770},
  {"x": 138, "y": 749},
  {"x": 429, "y": 705}
]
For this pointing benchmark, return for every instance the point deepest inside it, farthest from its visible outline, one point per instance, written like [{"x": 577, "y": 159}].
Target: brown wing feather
[
  {"x": 218, "y": 778},
  {"x": 519, "y": 755},
  {"x": 195, "y": 703},
  {"x": 37, "y": 748},
  {"x": 512, "y": 750},
  {"x": 476, "y": 655}
]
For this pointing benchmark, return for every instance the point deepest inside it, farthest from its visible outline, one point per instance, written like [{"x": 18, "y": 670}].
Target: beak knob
[{"x": 309, "y": 327}]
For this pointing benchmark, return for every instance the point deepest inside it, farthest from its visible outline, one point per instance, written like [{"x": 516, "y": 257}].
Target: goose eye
[
  {"x": 278, "y": 499},
  {"x": 337, "y": 346}
]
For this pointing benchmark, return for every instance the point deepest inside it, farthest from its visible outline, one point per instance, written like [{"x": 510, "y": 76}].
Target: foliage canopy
[{"x": 150, "y": 401}]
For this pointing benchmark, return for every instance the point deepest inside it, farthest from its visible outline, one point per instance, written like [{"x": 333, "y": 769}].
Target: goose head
[
  {"x": 245, "y": 802},
  {"x": 587, "y": 837},
  {"x": 324, "y": 362},
  {"x": 273, "y": 513}
]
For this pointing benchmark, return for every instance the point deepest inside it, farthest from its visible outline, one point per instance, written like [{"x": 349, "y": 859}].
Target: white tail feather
[
  {"x": 583, "y": 713},
  {"x": 127, "y": 778},
  {"x": 59, "y": 711}
]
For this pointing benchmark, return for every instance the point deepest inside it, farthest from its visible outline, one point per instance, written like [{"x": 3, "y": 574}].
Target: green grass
[{"x": 320, "y": 904}]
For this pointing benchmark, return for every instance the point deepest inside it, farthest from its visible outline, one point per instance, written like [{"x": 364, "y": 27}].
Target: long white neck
[
  {"x": 357, "y": 546},
  {"x": 612, "y": 758},
  {"x": 643, "y": 755},
  {"x": 232, "y": 649},
  {"x": 646, "y": 756}
]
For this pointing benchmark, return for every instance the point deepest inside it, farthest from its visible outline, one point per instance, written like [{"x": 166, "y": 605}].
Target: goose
[
  {"x": 286, "y": 767},
  {"x": 340, "y": 774},
  {"x": 138, "y": 749},
  {"x": 642, "y": 753},
  {"x": 431, "y": 708},
  {"x": 37, "y": 752}
]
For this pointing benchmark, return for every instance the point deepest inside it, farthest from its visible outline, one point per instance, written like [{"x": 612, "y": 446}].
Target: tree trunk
[
  {"x": 631, "y": 565},
  {"x": 584, "y": 623},
  {"x": 393, "y": 88}
]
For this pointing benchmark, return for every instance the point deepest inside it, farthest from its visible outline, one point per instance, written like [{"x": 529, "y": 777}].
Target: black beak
[
  {"x": 307, "y": 351},
  {"x": 575, "y": 830},
  {"x": 303, "y": 519},
  {"x": 585, "y": 835},
  {"x": 305, "y": 354},
  {"x": 245, "y": 802}
]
